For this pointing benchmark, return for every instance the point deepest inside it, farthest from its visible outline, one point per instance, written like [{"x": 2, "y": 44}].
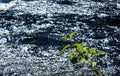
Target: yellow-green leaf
[
  {"x": 79, "y": 47},
  {"x": 94, "y": 55},
  {"x": 71, "y": 35},
  {"x": 88, "y": 46},
  {"x": 64, "y": 48},
  {"x": 64, "y": 37},
  {"x": 98, "y": 72},
  {"x": 72, "y": 54},
  {"x": 100, "y": 52},
  {"x": 73, "y": 57},
  {"x": 91, "y": 50},
  {"x": 93, "y": 64},
  {"x": 82, "y": 60},
  {"x": 86, "y": 55}
]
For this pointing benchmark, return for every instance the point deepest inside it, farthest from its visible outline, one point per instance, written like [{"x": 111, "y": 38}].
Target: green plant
[{"x": 82, "y": 55}]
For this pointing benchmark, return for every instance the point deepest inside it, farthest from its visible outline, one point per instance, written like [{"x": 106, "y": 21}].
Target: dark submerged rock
[
  {"x": 100, "y": 0},
  {"x": 64, "y": 2},
  {"x": 5, "y": 1}
]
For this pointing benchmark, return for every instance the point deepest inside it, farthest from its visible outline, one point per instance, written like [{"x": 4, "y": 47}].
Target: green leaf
[
  {"x": 64, "y": 48},
  {"x": 94, "y": 55},
  {"x": 72, "y": 54},
  {"x": 64, "y": 37},
  {"x": 89, "y": 55},
  {"x": 91, "y": 50},
  {"x": 71, "y": 35},
  {"x": 88, "y": 46},
  {"x": 93, "y": 64},
  {"x": 82, "y": 60},
  {"x": 98, "y": 72},
  {"x": 86, "y": 56},
  {"x": 73, "y": 57},
  {"x": 100, "y": 52},
  {"x": 79, "y": 47}
]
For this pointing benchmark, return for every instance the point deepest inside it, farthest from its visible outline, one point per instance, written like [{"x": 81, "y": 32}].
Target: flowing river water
[{"x": 31, "y": 30}]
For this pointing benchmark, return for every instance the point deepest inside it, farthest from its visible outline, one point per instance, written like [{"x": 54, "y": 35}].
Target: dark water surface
[{"x": 30, "y": 38}]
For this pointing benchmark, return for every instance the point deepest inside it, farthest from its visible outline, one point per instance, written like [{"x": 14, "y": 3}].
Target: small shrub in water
[{"x": 82, "y": 54}]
